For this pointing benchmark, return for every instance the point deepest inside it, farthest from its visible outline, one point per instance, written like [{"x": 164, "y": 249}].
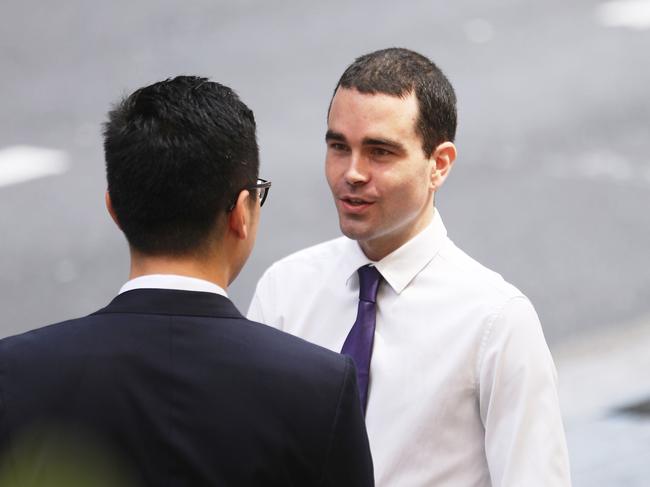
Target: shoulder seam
[
  {"x": 488, "y": 278},
  {"x": 486, "y": 336}
]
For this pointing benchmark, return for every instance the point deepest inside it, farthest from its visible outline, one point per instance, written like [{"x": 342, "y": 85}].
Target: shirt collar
[
  {"x": 401, "y": 266},
  {"x": 172, "y": 281}
]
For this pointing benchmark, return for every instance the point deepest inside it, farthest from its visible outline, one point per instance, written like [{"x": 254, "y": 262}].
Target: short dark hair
[
  {"x": 400, "y": 72},
  {"x": 177, "y": 152}
]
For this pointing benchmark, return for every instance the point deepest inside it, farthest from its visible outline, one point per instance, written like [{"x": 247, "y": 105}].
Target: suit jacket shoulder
[{"x": 181, "y": 380}]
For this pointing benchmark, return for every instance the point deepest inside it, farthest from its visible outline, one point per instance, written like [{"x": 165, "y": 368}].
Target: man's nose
[{"x": 358, "y": 171}]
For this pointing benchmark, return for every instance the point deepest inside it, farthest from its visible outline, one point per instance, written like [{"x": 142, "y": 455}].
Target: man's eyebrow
[
  {"x": 331, "y": 135},
  {"x": 385, "y": 142}
]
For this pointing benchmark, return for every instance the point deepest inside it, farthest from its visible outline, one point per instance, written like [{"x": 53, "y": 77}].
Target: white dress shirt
[
  {"x": 172, "y": 281},
  {"x": 462, "y": 385}
]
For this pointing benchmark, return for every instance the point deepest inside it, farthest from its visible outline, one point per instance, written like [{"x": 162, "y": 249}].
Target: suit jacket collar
[{"x": 172, "y": 302}]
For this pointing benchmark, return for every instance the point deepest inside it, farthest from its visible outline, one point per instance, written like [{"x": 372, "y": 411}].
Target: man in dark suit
[{"x": 169, "y": 384}]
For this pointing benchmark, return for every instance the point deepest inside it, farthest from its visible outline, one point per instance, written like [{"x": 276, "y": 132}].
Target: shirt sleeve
[
  {"x": 517, "y": 386},
  {"x": 264, "y": 302},
  {"x": 256, "y": 310}
]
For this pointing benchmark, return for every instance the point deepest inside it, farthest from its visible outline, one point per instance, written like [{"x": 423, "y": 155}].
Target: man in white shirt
[
  {"x": 457, "y": 380},
  {"x": 169, "y": 384}
]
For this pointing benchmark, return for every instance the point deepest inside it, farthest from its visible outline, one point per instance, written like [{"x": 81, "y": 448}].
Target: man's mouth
[
  {"x": 355, "y": 205},
  {"x": 355, "y": 201}
]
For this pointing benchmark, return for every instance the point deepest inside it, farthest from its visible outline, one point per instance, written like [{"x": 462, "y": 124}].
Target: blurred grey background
[{"x": 551, "y": 188}]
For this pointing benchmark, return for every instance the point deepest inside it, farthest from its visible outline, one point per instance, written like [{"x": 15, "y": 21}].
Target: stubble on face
[{"x": 377, "y": 171}]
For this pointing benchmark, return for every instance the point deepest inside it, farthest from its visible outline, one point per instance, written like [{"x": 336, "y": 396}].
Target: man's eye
[
  {"x": 378, "y": 151},
  {"x": 338, "y": 147}
]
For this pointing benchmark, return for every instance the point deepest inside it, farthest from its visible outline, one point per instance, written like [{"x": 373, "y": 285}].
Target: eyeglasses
[{"x": 262, "y": 187}]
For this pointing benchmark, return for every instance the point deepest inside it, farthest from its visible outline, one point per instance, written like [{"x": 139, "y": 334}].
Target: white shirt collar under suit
[{"x": 172, "y": 281}]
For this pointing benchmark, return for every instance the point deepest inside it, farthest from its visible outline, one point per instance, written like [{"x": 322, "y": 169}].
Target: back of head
[
  {"x": 177, "y": 152},
  {"x": 400, "y": 72}
]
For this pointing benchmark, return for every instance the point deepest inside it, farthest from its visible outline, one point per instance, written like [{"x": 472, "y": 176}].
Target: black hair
[
  {"x": 177, "y": 152},
  {"x": 400, "y": 72}
]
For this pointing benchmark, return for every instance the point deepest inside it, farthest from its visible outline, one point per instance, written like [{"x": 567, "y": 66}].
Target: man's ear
[
  {"x": 443, "y": 156},
  {"x": 239, "y": 219},
  {"x": 111, "y": 210}
]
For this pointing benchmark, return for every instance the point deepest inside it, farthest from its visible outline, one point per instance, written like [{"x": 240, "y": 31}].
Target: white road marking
[
  {"x": 22, "y": 163},
  {"x": 634, "y": 14}
]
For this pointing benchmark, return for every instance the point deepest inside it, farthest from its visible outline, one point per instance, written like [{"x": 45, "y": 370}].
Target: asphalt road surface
[{"x": 551, "y": 189}]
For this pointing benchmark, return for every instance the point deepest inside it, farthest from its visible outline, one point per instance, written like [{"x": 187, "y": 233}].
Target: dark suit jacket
[{"x": 181, "y": 389}]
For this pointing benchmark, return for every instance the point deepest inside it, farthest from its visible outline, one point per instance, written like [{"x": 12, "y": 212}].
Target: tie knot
[{"x": 369, "y": 278}]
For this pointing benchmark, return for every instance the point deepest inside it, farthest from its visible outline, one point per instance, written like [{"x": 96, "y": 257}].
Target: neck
[
  {"x": 208, "y": 269},
  {"x": 378, "y": 248}
]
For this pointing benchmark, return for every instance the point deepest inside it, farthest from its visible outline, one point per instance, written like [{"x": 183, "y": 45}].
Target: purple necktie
[{"x": 358, "y": 344}]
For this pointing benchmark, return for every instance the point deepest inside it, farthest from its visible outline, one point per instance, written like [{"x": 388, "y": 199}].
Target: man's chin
[{"x": 354, "y": 232}]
